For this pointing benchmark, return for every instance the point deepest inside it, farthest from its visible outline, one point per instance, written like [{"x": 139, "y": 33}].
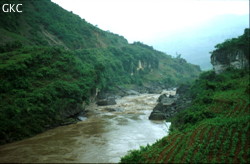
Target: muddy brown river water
[{"x": 103, "y": 137}]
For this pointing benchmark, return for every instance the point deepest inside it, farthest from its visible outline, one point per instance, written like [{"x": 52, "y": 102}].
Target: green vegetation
[
  {"x": 214, "y": 129},
  {"x": 38, "y": 87},
  {"x": 230, "y": 44},
  {"x": 45, "y": 23},
  {"x": 240, "y": 43},
  {"x": 45, "y": 86},
  {"x": 52, "y": 61}
]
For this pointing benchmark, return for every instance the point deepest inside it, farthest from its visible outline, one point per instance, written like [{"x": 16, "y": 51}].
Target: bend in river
[{"x": 105, "y": 136}]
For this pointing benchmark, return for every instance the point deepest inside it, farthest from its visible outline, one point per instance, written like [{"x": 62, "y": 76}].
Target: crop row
[
  {"x": 159, "y": 146},
  {"x": 212, "y": 143}
]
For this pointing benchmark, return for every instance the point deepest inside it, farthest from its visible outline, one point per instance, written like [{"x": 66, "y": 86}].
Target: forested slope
[
  {"x": 45, "y": 23},
  {"x": 52, "y": 62}
]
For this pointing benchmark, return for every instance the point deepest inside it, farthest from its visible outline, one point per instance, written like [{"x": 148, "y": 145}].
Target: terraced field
[{"x": 217, "y": 131}]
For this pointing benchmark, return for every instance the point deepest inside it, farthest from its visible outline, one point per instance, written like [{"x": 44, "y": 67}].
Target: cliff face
[
  {"x": 233, "y": 53},
  {"x": 223, "y": 60}
]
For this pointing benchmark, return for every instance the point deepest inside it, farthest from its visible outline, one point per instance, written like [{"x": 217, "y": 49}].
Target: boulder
[
  {"x": 159, "y": 107},
  {"x": 104, "y": 102},
  {"x": 163, "y": 96},
  {"x": 158, "y": 112},
  {"x": 168, "y": 101},
  {"x": 169, "y": 105},
  {"x": 72, "y": 110},
  {"x": 157, "y": 115}
]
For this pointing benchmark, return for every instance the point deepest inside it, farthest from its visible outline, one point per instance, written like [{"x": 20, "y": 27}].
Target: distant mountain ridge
[{"x": 194, "y": 44}]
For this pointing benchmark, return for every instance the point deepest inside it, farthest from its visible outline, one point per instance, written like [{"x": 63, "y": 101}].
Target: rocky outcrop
[
  {"x": 232, "y": 53},
  {"x": 169, "y": 105},
  {"x": 222, "y": 60},
  {"x": 69, "y": 115},
  {"x": 158, "y": 112},
  {"x": 72, "y": 110},
  {"x": 164, "y": 108}
]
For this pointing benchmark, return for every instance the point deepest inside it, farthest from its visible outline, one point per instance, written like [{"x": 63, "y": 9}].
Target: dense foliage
[
  {"x": 241, "y": 41},
  {"x": 45, "y": 23},
  {"x": 214, "y": 129},
  {"x": 38, "y": 86},
  {"x": 52, "y": 61},
  {"x": 230, "y": 45},
  {"x": 44, "y": 86}
]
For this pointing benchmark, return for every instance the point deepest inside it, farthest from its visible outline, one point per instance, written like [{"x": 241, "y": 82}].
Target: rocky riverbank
[
  {"x": 107, "y": 134},
  {"x": 170, "y": 104},
  {"x": 106, "y": 98}
]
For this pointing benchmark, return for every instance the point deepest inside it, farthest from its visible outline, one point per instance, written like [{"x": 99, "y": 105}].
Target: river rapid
[{"x": 103, "y": 136}]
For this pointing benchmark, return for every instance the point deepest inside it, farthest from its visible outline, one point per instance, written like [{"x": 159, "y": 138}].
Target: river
[{"x": 104, "y": 136}]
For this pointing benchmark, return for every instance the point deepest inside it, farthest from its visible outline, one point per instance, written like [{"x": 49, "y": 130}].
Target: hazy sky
[
  {"x": 144, "y": 20},
  {"x": 188, "y": 27}
]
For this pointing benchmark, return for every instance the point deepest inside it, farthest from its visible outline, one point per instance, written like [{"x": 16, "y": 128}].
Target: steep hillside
[
  {"x": 45, "y": 23},
  {"x": 52, "y": 62},
  {"x": 215, "y": 129}
]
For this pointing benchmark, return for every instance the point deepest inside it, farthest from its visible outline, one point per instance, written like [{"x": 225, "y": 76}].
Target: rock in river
[
  {"x": 169, "y": 105},
  {"x": 108, "y": 101},
  {"x": 157, "y": 115}
]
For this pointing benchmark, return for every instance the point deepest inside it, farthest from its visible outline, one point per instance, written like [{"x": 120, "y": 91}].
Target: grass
[{"x": 223, "y": 138}]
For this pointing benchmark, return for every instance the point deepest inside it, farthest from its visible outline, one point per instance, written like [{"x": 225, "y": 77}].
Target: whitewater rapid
[{"x": 105, "y": 135}]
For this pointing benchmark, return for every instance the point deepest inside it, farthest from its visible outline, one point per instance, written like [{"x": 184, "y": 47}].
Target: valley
[
  {"x": 103, "y": 135},
  {"x": 72, "y": 92}
]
